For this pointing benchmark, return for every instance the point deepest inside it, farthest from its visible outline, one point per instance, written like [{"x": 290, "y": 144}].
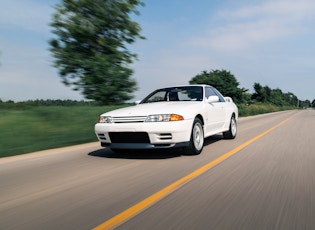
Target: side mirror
[
  {"x": 228, "y": 99},
  {"x": 137, "y": 102},
  {"x": 212, "y": 99}
]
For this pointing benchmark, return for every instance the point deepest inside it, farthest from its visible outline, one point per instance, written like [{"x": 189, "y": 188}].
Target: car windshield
[{"x": 183, "y": 93}]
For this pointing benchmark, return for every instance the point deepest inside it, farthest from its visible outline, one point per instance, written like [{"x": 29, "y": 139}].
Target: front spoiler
[{"x": 143, "y": 145}]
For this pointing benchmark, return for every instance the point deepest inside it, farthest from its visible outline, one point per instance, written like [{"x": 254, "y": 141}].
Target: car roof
[{"x": 203, "y": 85}]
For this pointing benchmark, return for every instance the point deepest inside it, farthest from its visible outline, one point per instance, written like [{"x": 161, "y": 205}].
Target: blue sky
[{"x": 266, "y": 41}]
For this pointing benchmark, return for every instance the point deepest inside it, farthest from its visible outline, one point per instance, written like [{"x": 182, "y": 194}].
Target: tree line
[
  {"x": 223, "y": 80},
  {"x": 265, "y": 94},
  {"x": 228, "y": 85},
  {"x": 48, "y": 102}
]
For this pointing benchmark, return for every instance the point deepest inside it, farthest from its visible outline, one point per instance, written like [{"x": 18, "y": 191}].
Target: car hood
[{"x": 184, "y": 108}]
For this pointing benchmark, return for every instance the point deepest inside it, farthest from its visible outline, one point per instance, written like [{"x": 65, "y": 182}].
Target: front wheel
[
  {"x": 196, "y": 139},
  {"x": 231, "y": 133}
]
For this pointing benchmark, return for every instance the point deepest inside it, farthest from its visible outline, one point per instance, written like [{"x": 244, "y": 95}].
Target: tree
[
  {"x": 291, "y": 99},
  {"x": 224, "y": 81},
  {"x": 265, "y": 94},
  {"x": 90, "y": 47},
  {"x": 260, "y": 93},
  {"x": 277, "y": 97}
]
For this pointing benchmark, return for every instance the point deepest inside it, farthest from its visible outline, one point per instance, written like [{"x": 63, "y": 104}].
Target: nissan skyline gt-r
[{"x": 180, "y": 116}]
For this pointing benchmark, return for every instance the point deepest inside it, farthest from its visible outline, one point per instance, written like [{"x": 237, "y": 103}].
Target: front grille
[
  {"x": 129, "y": 137},
  {"x": 134, "y": 119}
]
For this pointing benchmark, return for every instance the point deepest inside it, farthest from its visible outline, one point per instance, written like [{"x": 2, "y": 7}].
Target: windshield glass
[{"x": 183, "y": 93}]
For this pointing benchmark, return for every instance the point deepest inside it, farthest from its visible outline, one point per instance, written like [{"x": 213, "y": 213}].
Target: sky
[{"x": 271, "y": 42}]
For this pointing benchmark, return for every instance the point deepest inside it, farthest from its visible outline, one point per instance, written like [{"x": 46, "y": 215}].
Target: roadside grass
[
  {"x": 25, "y": 129},
  {"x": 255, "y": 109},
  {"x": 29, "y": 129}
]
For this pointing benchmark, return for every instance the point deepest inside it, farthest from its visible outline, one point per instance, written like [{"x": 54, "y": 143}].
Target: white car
[{"x": 180, "y": 116}]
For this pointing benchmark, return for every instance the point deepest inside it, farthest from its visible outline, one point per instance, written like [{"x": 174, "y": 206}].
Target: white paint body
[{"x": 215, "y": 115}]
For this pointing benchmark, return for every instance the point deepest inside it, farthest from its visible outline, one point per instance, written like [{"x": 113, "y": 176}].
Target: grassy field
[
  {"x": 34, "y": 128},
  {"x": 24, "y": 130}
]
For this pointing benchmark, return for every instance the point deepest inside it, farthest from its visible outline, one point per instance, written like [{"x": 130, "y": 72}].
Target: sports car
[{"x": 179, "y": 116}]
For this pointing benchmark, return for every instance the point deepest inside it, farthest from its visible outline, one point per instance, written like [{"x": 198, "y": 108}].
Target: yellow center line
[{"x": 147, "y": 202}]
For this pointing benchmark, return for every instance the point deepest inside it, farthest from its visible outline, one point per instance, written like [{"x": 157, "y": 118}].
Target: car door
[{"x": 215, "y": 112}]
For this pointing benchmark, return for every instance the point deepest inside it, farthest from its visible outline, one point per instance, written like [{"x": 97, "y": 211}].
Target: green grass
[
  {"x": 29, "y": 129},
  {"x": 255, "y": 109},
  {"x": 26, "y": 129}
]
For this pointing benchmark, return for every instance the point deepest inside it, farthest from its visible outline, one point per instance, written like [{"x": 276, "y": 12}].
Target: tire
[
  {"x": 231, "y": 133},
  {"x": 196, "y": 139}
]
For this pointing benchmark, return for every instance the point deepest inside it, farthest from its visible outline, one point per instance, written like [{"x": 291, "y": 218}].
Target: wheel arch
[{"x": 201, "y": 118}]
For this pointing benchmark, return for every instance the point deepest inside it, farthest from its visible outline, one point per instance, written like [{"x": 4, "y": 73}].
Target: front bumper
[{"x": 158, "y": 134}]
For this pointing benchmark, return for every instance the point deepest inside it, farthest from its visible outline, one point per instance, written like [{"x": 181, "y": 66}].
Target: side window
[
  {"x": 219, "y": 95},
  {"x": 210, "y": 92},
  {"x": 213, "y": 92}
]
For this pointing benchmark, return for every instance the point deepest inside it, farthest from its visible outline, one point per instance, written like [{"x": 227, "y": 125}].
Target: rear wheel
[
  {"x": 231, "y": 133},
  {"x": 196, "y": 139}
]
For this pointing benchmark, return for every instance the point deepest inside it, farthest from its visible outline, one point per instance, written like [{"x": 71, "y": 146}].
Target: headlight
[
  {"x": 164, "y": 117},
  {"x": 105, "y": 119}
]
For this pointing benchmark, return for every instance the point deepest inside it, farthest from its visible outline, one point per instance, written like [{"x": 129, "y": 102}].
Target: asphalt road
[{"x": 267, "y": 183}]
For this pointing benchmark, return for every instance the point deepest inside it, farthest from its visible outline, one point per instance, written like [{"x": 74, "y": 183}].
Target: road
[{"x": 267, "y": 181}]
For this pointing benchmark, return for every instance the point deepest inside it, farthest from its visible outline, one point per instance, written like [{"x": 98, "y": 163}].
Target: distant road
[{"x": 267, "y": 183}]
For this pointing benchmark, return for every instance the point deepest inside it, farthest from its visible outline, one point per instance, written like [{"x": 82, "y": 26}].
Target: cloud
[{"x": 250, "y": 25}]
